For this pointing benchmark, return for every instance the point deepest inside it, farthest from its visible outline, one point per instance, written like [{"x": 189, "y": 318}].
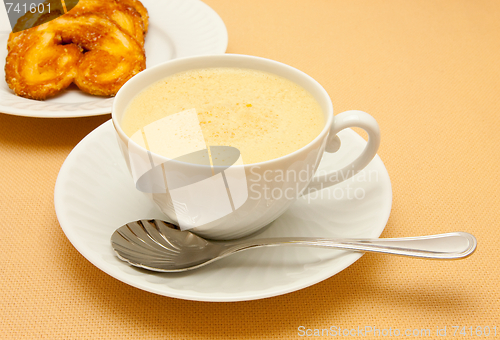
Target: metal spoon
[{"x": 160, "y": 246}]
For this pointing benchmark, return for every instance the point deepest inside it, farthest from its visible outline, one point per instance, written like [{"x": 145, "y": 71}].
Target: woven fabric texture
[{"x": 428, "y": 71}]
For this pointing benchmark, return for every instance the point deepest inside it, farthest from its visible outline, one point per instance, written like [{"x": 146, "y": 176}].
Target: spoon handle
[{"x": 454, "y": 245}]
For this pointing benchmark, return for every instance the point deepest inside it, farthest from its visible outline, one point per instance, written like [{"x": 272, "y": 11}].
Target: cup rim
[{"x": 320, "y": 90}]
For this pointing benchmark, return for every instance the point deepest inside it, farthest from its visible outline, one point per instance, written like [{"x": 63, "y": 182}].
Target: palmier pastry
[{"x": 98, "y": 45}]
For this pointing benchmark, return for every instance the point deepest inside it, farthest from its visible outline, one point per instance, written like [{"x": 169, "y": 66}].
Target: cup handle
[{"x": 342, "y": 121}]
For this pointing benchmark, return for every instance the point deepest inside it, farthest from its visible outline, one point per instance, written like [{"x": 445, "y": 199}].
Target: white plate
[
  {"x": 178, "y": 28},
  {"x": 95, "y": 194}
]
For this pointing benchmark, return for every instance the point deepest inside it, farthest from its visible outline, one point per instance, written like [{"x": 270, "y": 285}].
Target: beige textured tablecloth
[{"x": 428, "y": 71}]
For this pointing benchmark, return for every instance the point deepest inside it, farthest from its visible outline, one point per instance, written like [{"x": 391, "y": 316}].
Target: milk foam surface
[{"x": 263, "y": 115}]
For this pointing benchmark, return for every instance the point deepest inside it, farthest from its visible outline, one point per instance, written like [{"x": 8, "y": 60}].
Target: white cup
[{"x": 252, "y": 195}]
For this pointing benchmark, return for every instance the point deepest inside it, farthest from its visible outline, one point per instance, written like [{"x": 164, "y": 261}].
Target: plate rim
[
  {"x": 5, "y": 109},
  {"x": 92, "y": 256}
]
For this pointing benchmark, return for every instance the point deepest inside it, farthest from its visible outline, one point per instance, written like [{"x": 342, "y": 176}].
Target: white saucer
[
  {"x": 178, "y": 28},
  {"x": 95, "y": 194}
]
